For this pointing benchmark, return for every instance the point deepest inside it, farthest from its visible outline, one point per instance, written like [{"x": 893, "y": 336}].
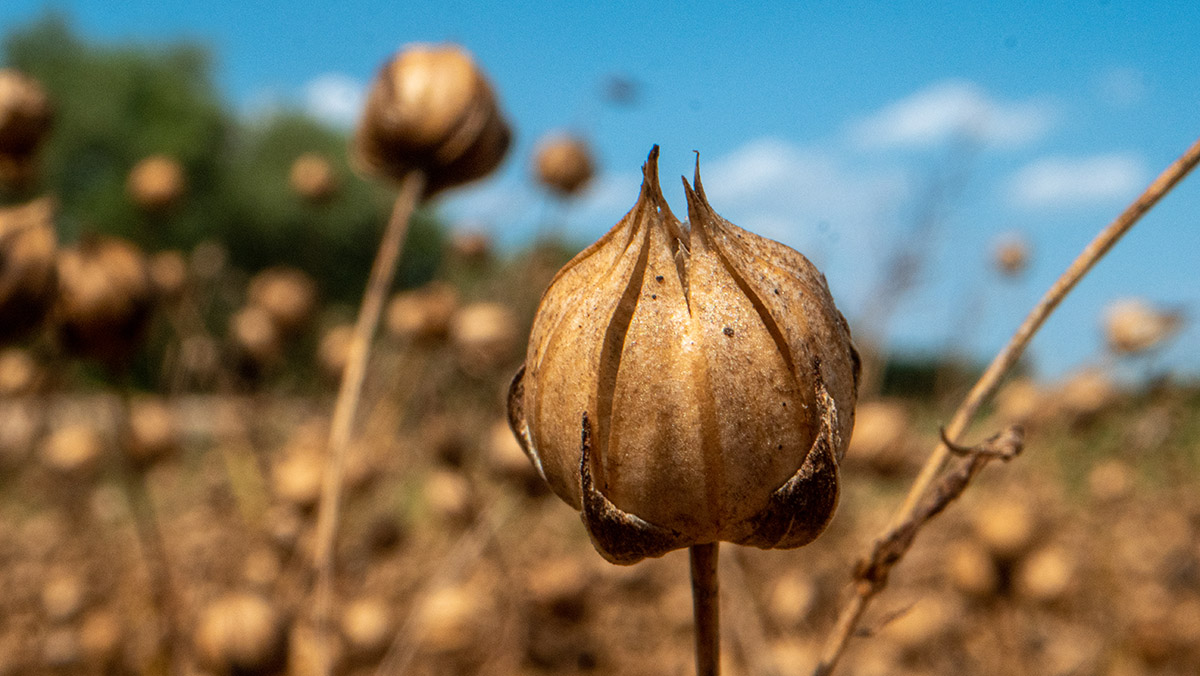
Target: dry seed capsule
[
  {"x": 288, "y": 295},
  {"x": 156, "y": 183},
  {"x": 241, "y": 634},
  {"x": 563, "y": 163},
  {"x": 27, "y": 270},
  {"x": 25, "y": 117},
  {"x": 431, "y": 109},
  {"x": 168, "y": 274},
  {"x": 104, "y": 299},
  {"x": 152, "y": 434},
  {"x": 424, "y": 314},
  {"x": 312, "y": 178},
  {"x": 1132, "y": 326},
  {"x": 1011, "y": 255},
  {"x": 713, "y": 376}
]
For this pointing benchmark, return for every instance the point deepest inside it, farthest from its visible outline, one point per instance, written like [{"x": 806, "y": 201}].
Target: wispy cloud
[
  {"x": 1077, "y": 181},
  {"x": 334, "y": 98},
  {"x": 954, "y": 109}
]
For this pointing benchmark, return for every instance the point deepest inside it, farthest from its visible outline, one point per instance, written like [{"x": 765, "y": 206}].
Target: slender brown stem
[
  {"x": 706, "y": 608},
  {"x": 865, "y": 590},
  {"x": 382, "y": 273}
]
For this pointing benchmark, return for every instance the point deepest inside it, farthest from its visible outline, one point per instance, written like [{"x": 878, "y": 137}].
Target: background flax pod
[{"x": 717, "y": 375}]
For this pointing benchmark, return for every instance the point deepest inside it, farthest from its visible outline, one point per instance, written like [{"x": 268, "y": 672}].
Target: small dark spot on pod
[
  {"x": 654, "y": 296},
  {"x": 658, "y": 278},
  {"x": 779, "y": 447},
  {"x": 776, "y": 292},
  {"x": 728, "y": 331}
]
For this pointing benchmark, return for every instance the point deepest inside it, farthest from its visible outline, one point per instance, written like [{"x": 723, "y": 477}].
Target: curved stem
[
  {"x": 383, "y": 271},
  {"x": 706, "y": 608},
  {"x": 865, "y": 590}
]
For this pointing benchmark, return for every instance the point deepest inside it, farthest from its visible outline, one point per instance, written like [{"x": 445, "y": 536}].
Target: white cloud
[
  {"x": 1077, "y": 181},
  {"x": 335, "y": 98},
  {"x": 954, "y": 109},
  {"x": 788, "y": 193}
]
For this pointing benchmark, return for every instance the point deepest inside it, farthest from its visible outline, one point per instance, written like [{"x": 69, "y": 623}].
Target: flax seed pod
[
  {"x": 431, "y": 109},
  {"x": 28, "y": 275},
  {"x": 685, "y": 386},
  {"x": 241, "y": 634},
  {"x": 312, "y": 178},
  {"x": 1132, "y": 326},
  {"x": 104, "y": 299},
  {"x": 156, "y": 183},
  {"x": 563, "y": 163},
  {"x": 25, "y": 119},
  {"x": 287, "y": 295},
  {"x": 1011, "y": 255}
]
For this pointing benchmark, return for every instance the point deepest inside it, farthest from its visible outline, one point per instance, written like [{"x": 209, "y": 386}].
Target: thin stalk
[
  {"x": 865, "y": 590},
  {"x": 412, "y": 185},
  {"x": 706, "y": 608}
]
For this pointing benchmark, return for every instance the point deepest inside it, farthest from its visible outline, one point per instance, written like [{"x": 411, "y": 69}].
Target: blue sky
[{"x": 831, "y": 126}]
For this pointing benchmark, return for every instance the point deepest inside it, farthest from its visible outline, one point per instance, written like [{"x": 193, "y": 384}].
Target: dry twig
[{"x": 929, "y": 494}]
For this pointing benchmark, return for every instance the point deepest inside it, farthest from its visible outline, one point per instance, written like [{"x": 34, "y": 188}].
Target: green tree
[{"x": 118, "y": 104}]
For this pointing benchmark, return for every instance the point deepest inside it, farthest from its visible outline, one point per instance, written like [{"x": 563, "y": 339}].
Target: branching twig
[{"x": 929, "y": 494}]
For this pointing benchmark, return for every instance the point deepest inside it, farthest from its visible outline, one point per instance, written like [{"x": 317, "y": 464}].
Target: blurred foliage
[{"x": 115, "y": 105}]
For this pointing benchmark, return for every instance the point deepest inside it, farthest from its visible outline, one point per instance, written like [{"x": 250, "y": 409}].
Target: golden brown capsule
[
  {"x": 25, "y": 118},
  {"x": 104, "y": 299},
  {"x": 685, "y": 385},
  {"x": 312, "y": 178},
  {"x": 156, "y": 183},
  {"x": 27, "y": 267},
  {"x": 563, "y": 163}
]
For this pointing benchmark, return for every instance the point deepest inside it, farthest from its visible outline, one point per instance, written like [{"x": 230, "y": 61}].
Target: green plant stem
[
  {"x": 706, "y": 608},
  {"x": 383, "y": 271},
  {"x": 852, "y": 612}
]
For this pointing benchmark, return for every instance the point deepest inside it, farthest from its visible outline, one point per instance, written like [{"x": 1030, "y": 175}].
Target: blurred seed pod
[
  {"x": 25, "y": 118},
  {"x": 449, "y": 497},
  {"x": 431, "y": 109},
  {"x": 60, "y": 648},
  {"x": 473, "y": 247},
  {"x": 104, "y": 299},
  {"x": 1021, "y": 402},
  {"x": 63, "y": 596},
  {"x": 20, "y": 423},
  {"x": 168, "y": 274},
  {"x": 368, "y": 627},
  {"x": 881, "y": 437},
  {"x": 485, "y": 335},
  {"x": 19, "y": 373},
  {"x": 558, "y": 588},
  {"x": 1085, "y": 395},
  {"x": 563, "y": 163},
  {"x": 241, "y": 634},
  {"x": 1007, "y": 526},
  {"x": 255, "y": 336},
  {"x": 309, "y": 650},
  {"x": 261, "y": 569},
  {"x": 791, "y": 600},
  {"x": 972, "y": 570},
  {"x": 334, "y": 350},
  {"x": 1110, "y": 481},
  {"x": 924, "y": 625},
  {"x": 1011, "y": 255},
  {"x": 296, "y": 478},
  {"x": 422, "y": 315},
  {"x": 100, "y": 638},
  {"x": 287, "y": 295},
  {"x": 156, "y": 183},
  {"x": 447, "y": 620},
  {"x": 73, "y": 450},
  {"x": 1132, "y": 326},
  {"x": 152, "y": 433},
  {"x": 27, "y": 267},
  {"x": 1046, "y": 576},
  {"x": 384, "y": 533},
  {"x": 312, "y": 178}
]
